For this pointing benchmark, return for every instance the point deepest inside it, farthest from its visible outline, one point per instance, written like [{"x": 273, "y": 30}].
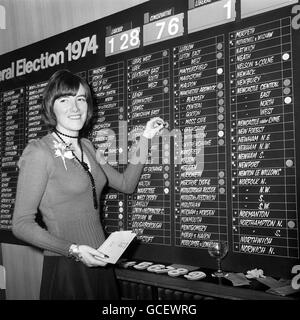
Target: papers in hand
[{"x": 115, "y": 245}]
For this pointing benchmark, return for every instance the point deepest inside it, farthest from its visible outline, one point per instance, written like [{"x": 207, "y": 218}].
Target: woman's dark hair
[{"x": 64, "y": 83}]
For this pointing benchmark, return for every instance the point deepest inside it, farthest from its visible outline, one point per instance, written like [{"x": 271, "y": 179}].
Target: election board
[{"x": 224, "y": 76}]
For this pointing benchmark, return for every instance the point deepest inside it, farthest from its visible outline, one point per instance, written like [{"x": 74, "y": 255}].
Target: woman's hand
[
  {"x": 100, "y": 157},
  {"x": 90, "y": 256},
  {"x": 153, "y": 126}
]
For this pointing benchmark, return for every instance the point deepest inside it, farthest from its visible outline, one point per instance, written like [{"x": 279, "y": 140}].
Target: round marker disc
[{"x": 195, "y": 275}]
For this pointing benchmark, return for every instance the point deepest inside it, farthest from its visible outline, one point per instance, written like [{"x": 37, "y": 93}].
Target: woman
[{"x": 61, "y": 176}]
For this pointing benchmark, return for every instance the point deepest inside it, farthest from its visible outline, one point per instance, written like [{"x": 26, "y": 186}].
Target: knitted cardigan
[{"x": 63, "y": 194}]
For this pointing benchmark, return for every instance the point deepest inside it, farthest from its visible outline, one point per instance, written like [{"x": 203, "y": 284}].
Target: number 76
[{"x": 172, "y": 27}]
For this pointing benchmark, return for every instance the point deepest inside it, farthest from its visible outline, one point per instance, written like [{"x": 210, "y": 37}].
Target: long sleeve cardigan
[{"x": 63, "y": 194}]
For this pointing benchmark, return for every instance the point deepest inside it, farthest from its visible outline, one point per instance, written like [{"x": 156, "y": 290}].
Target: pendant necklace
[{"x": 83, "y": 164}]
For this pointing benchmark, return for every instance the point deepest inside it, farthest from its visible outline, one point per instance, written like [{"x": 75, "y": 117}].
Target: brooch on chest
[{"x": 64, "y": 151}]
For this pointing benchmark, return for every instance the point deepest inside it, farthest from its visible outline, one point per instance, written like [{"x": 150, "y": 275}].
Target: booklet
[{"x": 115, "y": 245}]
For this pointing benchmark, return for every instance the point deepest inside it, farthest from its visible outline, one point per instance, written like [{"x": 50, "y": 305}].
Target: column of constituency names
[
  {"x": 148, "y": 95},
  {"x": 200, "y": 155},
  {"x": 263, "y": 140},
  {"x": 13, "y": 143},
  {"x": 107, "y": 83},
  {"x": 35, "y": 127}
]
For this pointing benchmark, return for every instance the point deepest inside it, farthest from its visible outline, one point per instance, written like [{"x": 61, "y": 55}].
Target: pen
[{"x": 103, "y": 255}]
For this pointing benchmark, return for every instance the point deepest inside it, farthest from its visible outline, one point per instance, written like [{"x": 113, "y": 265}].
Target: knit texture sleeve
[
  {"x": 32, "y": 181},
  {"x": 126, "y": 182}
]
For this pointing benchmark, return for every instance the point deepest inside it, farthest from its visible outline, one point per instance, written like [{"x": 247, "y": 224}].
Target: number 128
[{"x": 123, "y": 41}]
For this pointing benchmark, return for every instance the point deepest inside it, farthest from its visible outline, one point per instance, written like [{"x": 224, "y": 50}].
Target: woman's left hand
[
  {"x": 153, "y": 126},
  {"x": 91, "y": 257}
]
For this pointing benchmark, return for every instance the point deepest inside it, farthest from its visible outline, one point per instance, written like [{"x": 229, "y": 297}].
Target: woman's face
[{"x": 71, "y": 112}]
